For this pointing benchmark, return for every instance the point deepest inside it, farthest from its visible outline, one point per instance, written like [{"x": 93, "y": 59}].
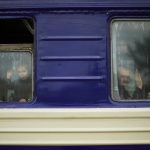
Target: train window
[
  {"x": 130, "y": 49},
  {"x": 16, "y": 57}
]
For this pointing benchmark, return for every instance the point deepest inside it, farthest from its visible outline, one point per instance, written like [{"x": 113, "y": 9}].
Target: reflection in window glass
[
  {"x": 130, "y": 44},
  {"x": 15, "y": 73}
]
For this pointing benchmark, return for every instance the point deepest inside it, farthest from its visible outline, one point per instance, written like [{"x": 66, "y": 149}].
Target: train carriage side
[{"x": 75, "y": 74}]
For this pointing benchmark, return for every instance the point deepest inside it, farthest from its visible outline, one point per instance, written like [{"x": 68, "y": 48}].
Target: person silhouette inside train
[
  {"x": 129, "y": 84},
  {"x": 23, "y": 86}
]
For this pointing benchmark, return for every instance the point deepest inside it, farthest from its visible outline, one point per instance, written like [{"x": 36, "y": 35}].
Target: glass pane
[
  {"x": 15, "y": 73},
  {"x": 16, "y": 48},
  {"x": 15, "y": 31},
  {"x": 130, "y": 45}
]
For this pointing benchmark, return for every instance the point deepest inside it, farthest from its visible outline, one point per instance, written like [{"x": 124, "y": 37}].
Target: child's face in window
[{"x": 22, "y": 72}]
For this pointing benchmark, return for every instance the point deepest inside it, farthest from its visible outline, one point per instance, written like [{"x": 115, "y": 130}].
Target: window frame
[
  {"x": 113, "y": 19},
  {"x": 16, "y": 16}
]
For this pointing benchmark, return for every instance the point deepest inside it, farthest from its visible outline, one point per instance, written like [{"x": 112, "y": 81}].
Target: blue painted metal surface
[
  {"x": 72, "y": 51},
  {"x": 110, "y": 147},
  {"x": 27, "y": 4}
]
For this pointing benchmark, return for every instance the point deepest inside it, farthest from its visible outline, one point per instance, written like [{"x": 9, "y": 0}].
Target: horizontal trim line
[
  {"x": 76, "y": 113},
  {"x": 86, "y": 4},
  {"x": 73, "y": 78},
  {"x": 71, "y": 58},
  {"x": 64, "y": 38},
  {"x": 66, "y": 142},
  {"x": 72, "y": 130}
]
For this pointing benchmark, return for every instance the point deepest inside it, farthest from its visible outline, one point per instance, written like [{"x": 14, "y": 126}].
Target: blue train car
[{"x": 74, "y": 74}]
